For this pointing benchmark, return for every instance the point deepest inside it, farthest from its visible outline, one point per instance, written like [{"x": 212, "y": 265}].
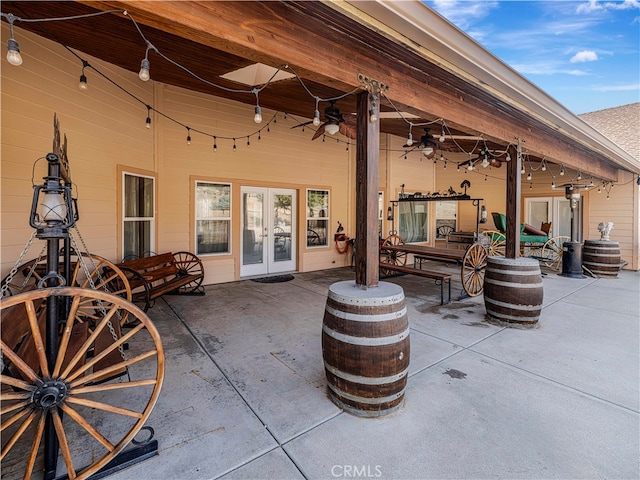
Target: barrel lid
[
  {"x": 518, "y": 262},
  {"x": 349, "y": 293}
]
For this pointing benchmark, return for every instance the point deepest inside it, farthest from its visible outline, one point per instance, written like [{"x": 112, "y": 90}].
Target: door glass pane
[
  {"x": 538, "y": 213},
  {"x": 253, "y": 228},
  {"x": 413, "y": 222},
  {"x": 282, "y": 221}
]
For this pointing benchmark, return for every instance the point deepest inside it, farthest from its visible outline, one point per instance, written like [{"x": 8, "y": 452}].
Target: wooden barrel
[
  {"x": 513, "y": 291},
  {"x": 365, "y": 347},
  {"x": 602, "y": 257}
]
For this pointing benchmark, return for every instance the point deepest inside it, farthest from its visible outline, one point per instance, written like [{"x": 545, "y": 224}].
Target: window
[
  {"x": 446, "y": 213},
  {"x": 413, "y": 222},
  {"x": 317, "y": 218},
  {"x": 213, "y": 218},
  {"x": 138, "y": 215}
]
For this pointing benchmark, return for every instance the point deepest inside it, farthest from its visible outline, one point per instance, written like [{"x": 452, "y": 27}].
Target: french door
[
  {"x": 556, "y": 210},
  {"x": 268, "y": 241}
]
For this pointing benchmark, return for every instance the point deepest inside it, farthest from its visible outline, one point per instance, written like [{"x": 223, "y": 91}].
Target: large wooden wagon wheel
[
  {"x": 474, "y": 264},
  {"x": 392, "y": 257},
  {"x": 189, "y": 264},
  {"x": 497, "y": 243},
  {"x": 94, "y": 410},
  {"x": 92, "y": 272},
  {"x": 552, "y": 252}
]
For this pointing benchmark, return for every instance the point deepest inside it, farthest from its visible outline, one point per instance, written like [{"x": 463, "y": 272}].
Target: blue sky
[{"x": 583, "y": 53}]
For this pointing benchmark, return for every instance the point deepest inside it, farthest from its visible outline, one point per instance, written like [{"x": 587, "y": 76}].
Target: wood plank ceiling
[{"x": 326, "y": 49}]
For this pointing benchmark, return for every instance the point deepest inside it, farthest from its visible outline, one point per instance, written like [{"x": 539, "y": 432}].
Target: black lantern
[{"x": 52, "y": 207}]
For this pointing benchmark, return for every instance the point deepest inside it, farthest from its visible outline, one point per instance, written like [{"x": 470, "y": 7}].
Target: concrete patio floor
[{"x": 245, "y": 395}]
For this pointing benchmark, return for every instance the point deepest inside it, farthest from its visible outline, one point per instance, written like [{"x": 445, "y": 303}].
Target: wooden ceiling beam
[{"x": 301, "y": 35}]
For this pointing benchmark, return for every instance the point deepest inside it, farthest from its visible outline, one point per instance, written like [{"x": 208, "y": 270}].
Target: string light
[
  {"x": 188, "y": 136},
  {"x": 13, "y": 48},
  {"x": 373, "y": 111},
  {"x": 14, "y": 57},
  {"x": 562, "y": 170},
  {"x": 579, "y": 175},
  {"x": 529, "y": 176},
  {"x": 215, "y": 145},
  {"x": 410, "y": 137}
]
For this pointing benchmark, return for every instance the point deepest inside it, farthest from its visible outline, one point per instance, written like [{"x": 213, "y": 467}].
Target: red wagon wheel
[
  {"x": 94, "y": 413},
  {"x": 392, "y": 257},
  {"x": 189, "y": 264},
  {"x": 474, "y": 264}
]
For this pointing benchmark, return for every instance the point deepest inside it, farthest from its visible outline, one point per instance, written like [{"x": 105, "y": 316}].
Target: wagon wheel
[
  {"x": 497, "y": 242},
  {"x": 100, "y": 274},
  {"x": 392, "y": 257},
  {"x": 474, "y": 264},
  {"x": 93, "y": 415},
  {"x": 189, "y": 264},
  {"x": 552, "y": 252}
]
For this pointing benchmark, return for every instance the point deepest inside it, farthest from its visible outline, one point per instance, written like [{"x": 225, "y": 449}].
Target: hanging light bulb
[
  {"x": 83, "y": 82},
  {"x": 316, "y": 118},
  {"x": 13, "y": 49},
  {"x": 470, "y": 167},
  {"x": 215, "y": 144},
  {"x": 144, "y": 74},
  {"x": 373, "y": 111},
  {"x": 234, "y": 145},
  {"x": 579, "y": 175},
  {"x": 508, "y": 157},
  {"x": 441, "y": 139},
  {"x": 529, "y": 176},
  {"x": 553, "y": 184},
  {"x": 561, "y": 171},
  {"x": 188, "y": 136},
  {"x": 445, "y": 165},
  {"x": 544, "y": 166},
  {"x": 258, "y": 115},
  {"x": 409, "y": 139},
  {"x": 522, "y": 170},
  {"x": 148, "y": 121},
  {"x": 485, "y": 162}
]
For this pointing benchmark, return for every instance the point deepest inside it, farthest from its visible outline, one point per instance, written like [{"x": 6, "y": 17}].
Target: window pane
[
  {"x": 212, "y": 236},
  {"x": 212, "y": 200},
  {"x": 317, "y": 233},
  {"x": 138, "y": 196},
  {"x": 413, "y": 222},
  {"x": 137, "y": 238},
  {"x": 317, "y": 203}
]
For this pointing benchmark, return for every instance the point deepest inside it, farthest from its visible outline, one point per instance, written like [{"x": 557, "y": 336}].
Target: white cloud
[
  {"x": 584, "y": 56},
  {"x": 464, "y": 13},
  {"x": 595, "y": 5}
]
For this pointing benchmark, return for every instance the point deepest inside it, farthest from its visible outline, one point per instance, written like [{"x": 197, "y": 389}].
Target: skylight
[{"x": 256, "y": 74}]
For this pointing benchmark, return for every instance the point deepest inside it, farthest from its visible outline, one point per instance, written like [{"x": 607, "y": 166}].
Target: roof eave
[{"x": 462, "y": 56}]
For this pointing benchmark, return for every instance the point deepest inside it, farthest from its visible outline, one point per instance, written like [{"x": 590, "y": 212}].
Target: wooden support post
[
  {"x": 367, "y": 157},
  {"x": 512, "y": 247}
]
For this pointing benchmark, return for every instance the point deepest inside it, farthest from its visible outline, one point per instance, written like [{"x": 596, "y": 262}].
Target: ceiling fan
[
  {"x": 427, "y": 144},
  {"x": 334, "y": 122},
  {"x": 485, "y": 159}
]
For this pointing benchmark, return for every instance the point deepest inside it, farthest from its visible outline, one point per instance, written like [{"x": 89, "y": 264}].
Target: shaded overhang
[{"x": 433, "y": 70}]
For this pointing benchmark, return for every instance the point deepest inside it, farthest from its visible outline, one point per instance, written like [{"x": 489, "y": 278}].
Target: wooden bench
[
  {"x": 440, "y": 277},
  {"x": 165, "y": 273}
]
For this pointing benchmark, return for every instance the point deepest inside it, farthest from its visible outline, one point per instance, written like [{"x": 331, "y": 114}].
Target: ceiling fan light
[
  {"x": 426, "y": 151},
  {"x": 331, "y": 128}
]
